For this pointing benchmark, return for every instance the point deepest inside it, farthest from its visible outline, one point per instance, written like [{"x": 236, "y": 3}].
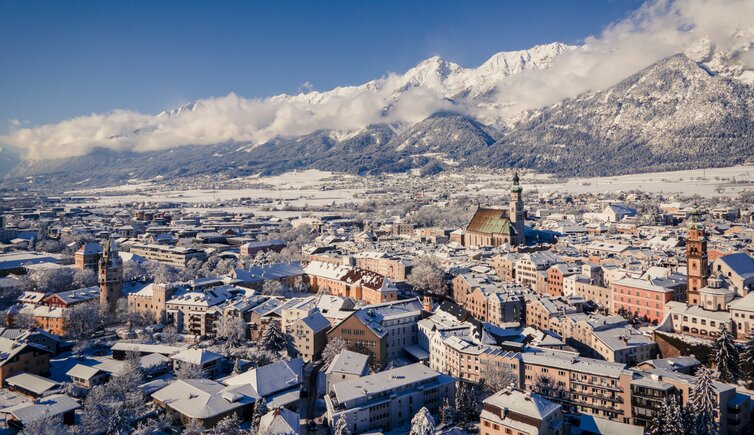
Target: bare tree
[
  {"x": 82, "y": 320},
  {"x": 427, "y": 275},
  {"x": 190, "y": 371},
  {"x": 84, "y": 278},
  {"x": 496, "y": 378}
]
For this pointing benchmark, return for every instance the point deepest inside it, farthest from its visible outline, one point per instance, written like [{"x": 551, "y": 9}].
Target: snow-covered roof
[
  {"x": 271, "y": 378},
  {"x": 56, "y": 404},
  {"x": 350, "y": 363},
  {"x": 280, "y": 421},
  {"x": 196, "y": 356},
  {"x": 83, "y": 372},
  {"x": 201, "y": 398},
  {"x": 32, "y": 383}
]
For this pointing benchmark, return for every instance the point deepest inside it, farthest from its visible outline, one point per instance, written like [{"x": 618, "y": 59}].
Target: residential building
[
  {"x": 388, "y": 400},
  {"x": 515, "y": 412}
]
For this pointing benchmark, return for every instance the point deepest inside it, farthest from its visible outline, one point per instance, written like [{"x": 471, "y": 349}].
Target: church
[{"x": 496, "y": 227}]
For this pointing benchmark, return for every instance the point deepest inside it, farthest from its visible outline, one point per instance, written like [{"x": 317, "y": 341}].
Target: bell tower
[
  {"x": 516, "y": 211},
  {"x": 110, "y": 277},
  {"x": 696, "y": 257}
]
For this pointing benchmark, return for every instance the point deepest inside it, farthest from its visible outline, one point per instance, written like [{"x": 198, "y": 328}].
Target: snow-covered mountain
[
  {"x": 687, "y": 110},
  {"x": 447, "y": 78}
]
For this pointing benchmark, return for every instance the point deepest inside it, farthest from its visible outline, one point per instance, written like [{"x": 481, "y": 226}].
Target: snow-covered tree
[
  {"x": 230, "y": 425},
  {"x": 704, "y": 402},
  {"x": 260, "y": 409},
  {"x": 495, "y": 378},
  {"x": 273, "y": 339},
  {"x": 133, "y": 271},
  {"x": 332, "y": 349},
  {"x": 466, "y": 403},
  {"x": 274, "y": 288},
  {"x": 726, "y": 356},
  {"x": 658, "y": 422},
  {"x": 190, "y": 371},
  {"x": 232, "y": 329},
  {"x": 673, "y": 424},
  {"x": 193, "y": 427},
  {"x": 427, "y": 275},
  {"x": 45, "y": 425},
  {"x": 84, "y": 278},
  {"x": 423, "y": 423},
  {"x": 688, "y": 419},
  {"x": 113, "y": 407},
  {"x": 82, "y": 320},
  {"x": 447, "y": 413},
  {"x": 747, "y": 359},
  {"x": 24, "y": 320},
  {"x": 341, "y": 427}
]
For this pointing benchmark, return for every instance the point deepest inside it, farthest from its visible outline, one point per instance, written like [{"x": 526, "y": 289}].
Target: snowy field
[{"x": 318, "y": 188}]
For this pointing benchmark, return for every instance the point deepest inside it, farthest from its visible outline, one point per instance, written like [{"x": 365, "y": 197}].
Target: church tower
[
  {"x": 516, "y": 211},
  {"x": 110, "y": 277},
  {"x": 696, "y": 257}
]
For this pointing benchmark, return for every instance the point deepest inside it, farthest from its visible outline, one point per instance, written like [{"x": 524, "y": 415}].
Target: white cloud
[{"x": 656, "y": 30}]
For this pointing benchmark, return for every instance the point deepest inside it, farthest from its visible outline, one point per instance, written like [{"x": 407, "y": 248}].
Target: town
[{"x": 414, "y": 309}]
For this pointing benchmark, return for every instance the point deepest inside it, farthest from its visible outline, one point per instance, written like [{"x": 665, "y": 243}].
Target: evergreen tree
[
  {"x": 460, "y": 393},
  {"x": 688, "y": 420},
  {"x": 747, "y": 359},
  {"x": 726, "y": 356},
  {"x": 672, "y": 424},
  {"x": 273, "y": 338},
  {"x": 704, "y": 402},
  {"x": 447, "y": 413},
  {"x": 423, "y": 423},
  {"x": 341, "y": 427},
  {"x": 260, "y": 409},
  {"x": 658, "y": 422}
]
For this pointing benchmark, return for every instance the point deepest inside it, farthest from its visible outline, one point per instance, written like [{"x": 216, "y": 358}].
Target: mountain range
[{"x": 689, "y": 110}]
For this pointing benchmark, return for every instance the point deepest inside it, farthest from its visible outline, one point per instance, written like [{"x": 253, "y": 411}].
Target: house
[
  {"x": 511, "y": 411},
  {"x": 18, "y": 358},
  {"x": 346, "y": 366},
  {"x": 31, "y": 385},
  {"x": 383, "y": 330},
  {"x": 87, "y": 256},
  {"x": 253, "y": 248},
  {"x": 280, "y": 421},
  {"x": 17, "y": 416},
  {"x": 210, "y": 363},
  {"x": 387, "y": 400},
  {"x": 279, "y": 383},
  {"x": 87, "y": 377},
  {"x": 310, "y": 335},
  {"x": 203, "y": 401}
]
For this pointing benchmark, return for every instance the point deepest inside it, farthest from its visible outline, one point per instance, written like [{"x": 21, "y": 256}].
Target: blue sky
[{"x": 60, "y": 59}]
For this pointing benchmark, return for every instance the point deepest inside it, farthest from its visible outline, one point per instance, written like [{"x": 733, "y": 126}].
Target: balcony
[{"x": 596, "y": 384}]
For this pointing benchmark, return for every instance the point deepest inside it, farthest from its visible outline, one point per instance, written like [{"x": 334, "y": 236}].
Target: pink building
[{"x": 647, "y": 297}]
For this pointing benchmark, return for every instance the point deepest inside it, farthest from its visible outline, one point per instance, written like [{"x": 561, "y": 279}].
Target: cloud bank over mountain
[{"x": 718, "y": 32}]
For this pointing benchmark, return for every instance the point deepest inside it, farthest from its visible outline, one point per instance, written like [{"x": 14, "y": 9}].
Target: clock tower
[{"x": 696, "y": 257}]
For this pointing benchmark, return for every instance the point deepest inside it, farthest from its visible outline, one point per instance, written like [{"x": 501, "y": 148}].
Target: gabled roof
[
  {"x": 280, "y": 421},
  {"x": 490, "y": 220},
  {"x": 201, "y": 398},
  {"x": 271, "y": 378},
  {"x": 49, "y": 406},
  {"x": 83, "y": 372}
]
